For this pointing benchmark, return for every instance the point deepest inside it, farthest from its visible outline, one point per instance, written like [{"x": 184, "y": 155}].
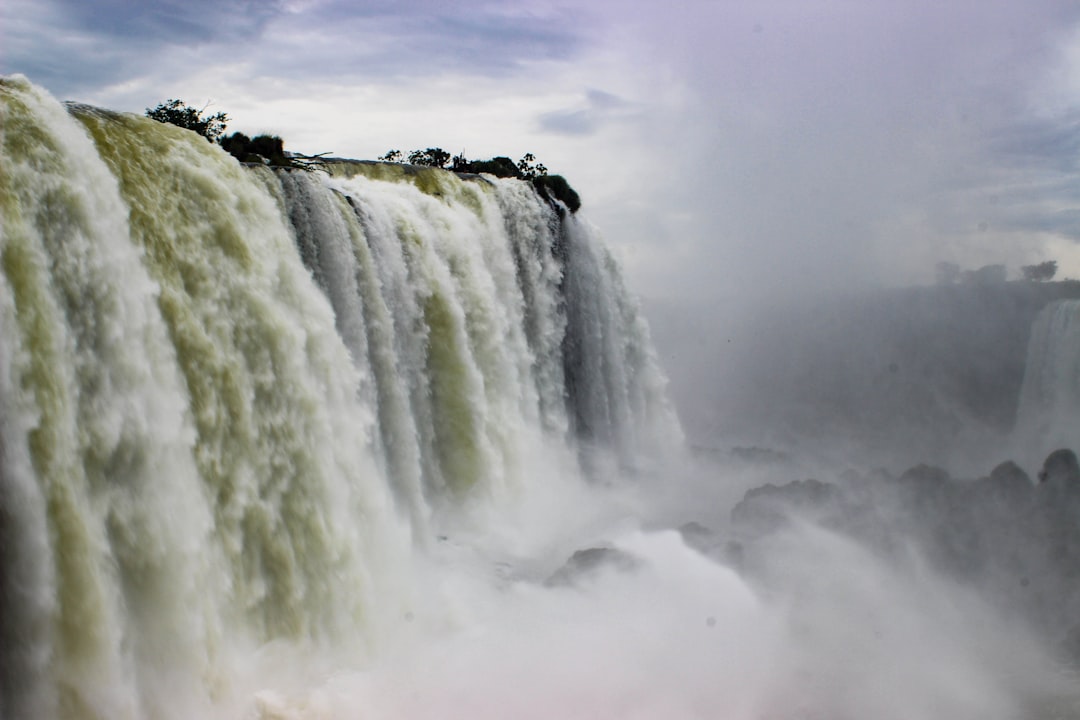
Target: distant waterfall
[
  {"x": 1048, "y": 416},
  {"x": 237, "y": 402}
]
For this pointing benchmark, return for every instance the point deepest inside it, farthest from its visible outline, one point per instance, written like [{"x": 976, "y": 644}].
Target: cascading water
[
  {"x": 237, "y": 403},
  {"x": 1048, "y": 415},
  {"x": 288, "y": 446}
]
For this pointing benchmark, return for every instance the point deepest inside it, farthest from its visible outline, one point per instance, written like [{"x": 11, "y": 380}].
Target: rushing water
[
  {"x": 285, "y": 445},
  {"x": 1048, "y": 416},
  {"x": 237, "y": 402}
]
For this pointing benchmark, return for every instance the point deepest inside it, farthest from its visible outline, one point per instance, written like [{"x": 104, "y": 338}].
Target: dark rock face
[
  {"x": 1008, "y": 482},
  {"x": 590, "y": 561},
  {"x": 1016, "y": 541},
  {"x": 1060, "y": 469},
  {"x": 699, "y": 537},
  {"x": 766, "y": 509},
  {"x": 712, "y": 544}
]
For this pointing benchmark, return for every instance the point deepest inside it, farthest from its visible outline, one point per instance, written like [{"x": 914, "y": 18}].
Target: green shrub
[
  {"x": 176, "y": 113},
  {"x": 556, "y": 187}
]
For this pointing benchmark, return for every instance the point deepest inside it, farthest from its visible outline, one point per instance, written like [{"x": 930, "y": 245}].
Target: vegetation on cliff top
[
  {"x": 270, "y": 150},
  {"x": 1041, "y": 272},
  {"x": 553, "y": 187},
  {"x": 265, "y": 149},
  {"x": 175, "y": 112}
]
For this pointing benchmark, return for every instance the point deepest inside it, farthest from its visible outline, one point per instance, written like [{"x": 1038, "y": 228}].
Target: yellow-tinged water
[{"x": 242, "y": 410}]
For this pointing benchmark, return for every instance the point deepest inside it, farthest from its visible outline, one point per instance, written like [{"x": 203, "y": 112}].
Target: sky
[{"x": 726, "y": 149}]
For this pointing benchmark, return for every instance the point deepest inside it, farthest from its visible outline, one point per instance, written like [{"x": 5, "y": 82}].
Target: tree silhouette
[
  {"x": 553, "y": 188},
  {"x": 432, "y": 157},
  {"x": 1040, "y": 272},
  {"x": 498, "y": 166},
  {"x": 529, "y": 169},
  {"x": 175, "y": 112}
]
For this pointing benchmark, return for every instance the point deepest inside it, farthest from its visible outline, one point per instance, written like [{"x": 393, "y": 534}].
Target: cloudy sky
[{"x": 725, "y": 148}]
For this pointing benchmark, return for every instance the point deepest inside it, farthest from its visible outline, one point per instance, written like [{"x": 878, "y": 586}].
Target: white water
[
  {"x": 1048, "y": 416},
  {"x": 290, "y": 446}
]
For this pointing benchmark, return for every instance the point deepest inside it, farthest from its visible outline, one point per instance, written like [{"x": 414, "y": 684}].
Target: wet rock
[
  {"x": 768, "y": 508},
  {"x": 760, "y": 455},
  {"x": 924, "y": 477},
  {"x": 1014, "y": 540},
  {"x": 1061, "y": 469},
  {"x": 1007, "y": 482},
  {"x": 699, "y": 537},
  {"x": 591, "y": 561},
  {"x": 712, "y": 544}
]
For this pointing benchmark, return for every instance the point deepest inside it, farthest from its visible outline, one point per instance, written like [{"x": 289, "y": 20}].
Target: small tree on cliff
[
  {"x": 552, "y": 187},
  {"x": 432, "y": 157},
  {"x": 1040, "y": 272},
  {"x": 175, "y": 112},
  {"x": 529, "y": 168}
]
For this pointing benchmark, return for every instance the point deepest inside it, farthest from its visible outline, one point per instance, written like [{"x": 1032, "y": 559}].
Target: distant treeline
[
  {"x": 270, "y": 150},
  {"x": 527, "y": 168},
  {"x": 265, "y": 149},
  {"x": 947, "y": 273}
]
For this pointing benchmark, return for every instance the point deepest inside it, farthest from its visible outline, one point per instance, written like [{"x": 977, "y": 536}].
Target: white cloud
[{"x": 722, "y": 147}]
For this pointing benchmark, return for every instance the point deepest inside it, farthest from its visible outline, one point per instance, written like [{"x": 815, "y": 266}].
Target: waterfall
[
  {"x": 1048, "y": 415},
  {"x": 238, "y": 404}
]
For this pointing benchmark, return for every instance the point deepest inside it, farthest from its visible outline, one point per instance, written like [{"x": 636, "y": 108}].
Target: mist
[
  {"x": 802, "y": 622},
  {"x": 863, "y": 411},
  {"x": 841, "y": 535},
  {"x": 729, "y": 151},
  {"x": 835, "y": 147},
  {"x": 887, "y": 377}
]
